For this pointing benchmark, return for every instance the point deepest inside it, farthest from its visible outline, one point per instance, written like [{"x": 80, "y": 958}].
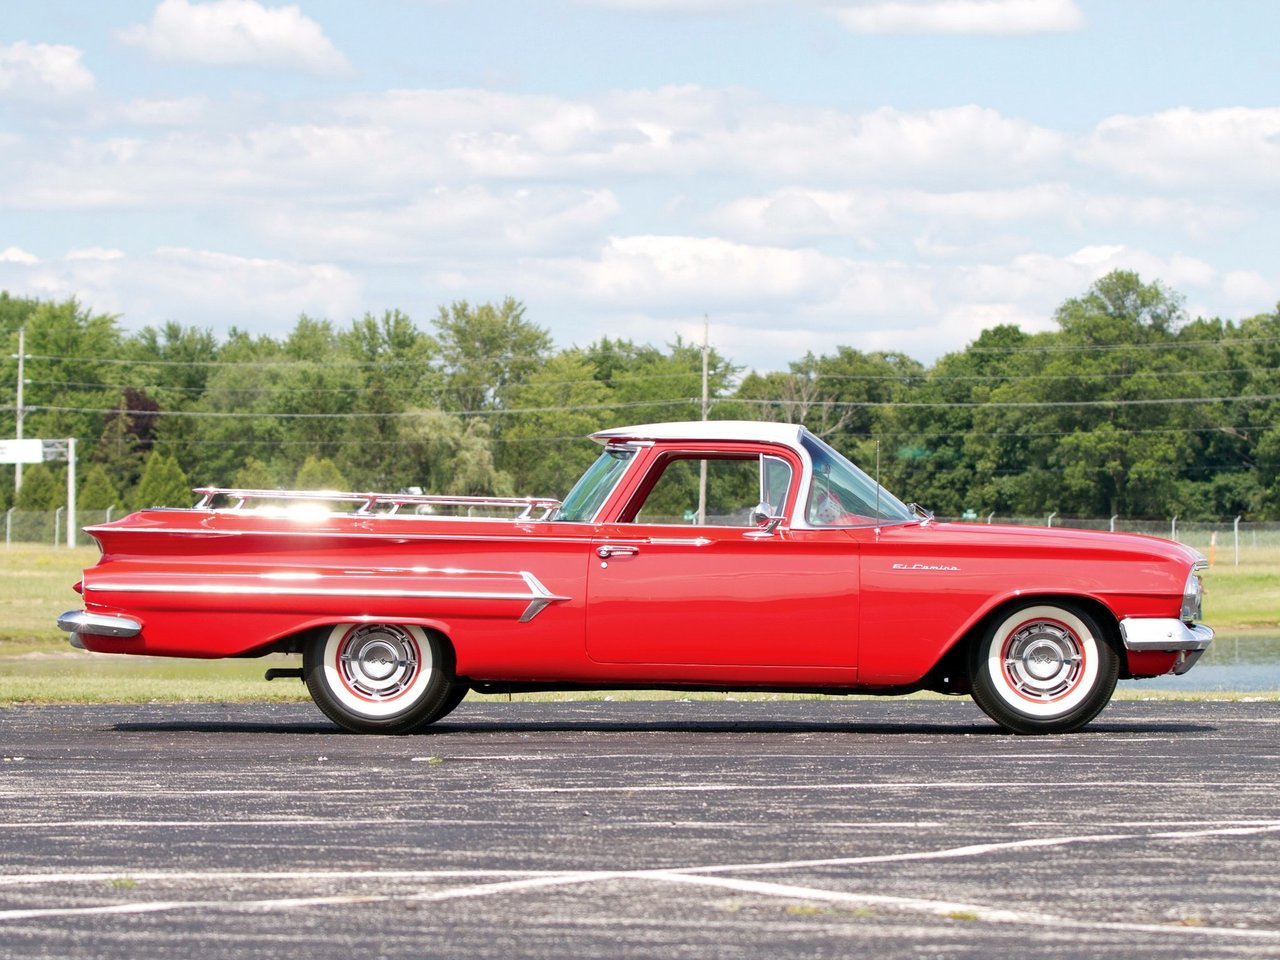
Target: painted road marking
[{"x": 509, "y": 882}]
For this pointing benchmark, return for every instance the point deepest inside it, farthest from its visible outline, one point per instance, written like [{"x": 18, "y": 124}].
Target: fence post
[
  {"x": 1235, "y": 529},
  {"x": 57, "y": 524},
  {"x": 71, "y": 492},
  {"x": 1173, "y": 528},
  {"x": 989, "y": 516},
  {"x": 1114, "y": 518},
  {"x": 1049, "y": 522}
]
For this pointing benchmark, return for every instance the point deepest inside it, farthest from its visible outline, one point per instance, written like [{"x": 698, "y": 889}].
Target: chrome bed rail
[{"x": 381, "y": 504}]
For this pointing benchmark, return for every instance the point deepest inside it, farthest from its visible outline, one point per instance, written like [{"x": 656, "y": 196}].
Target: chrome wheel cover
[
  {"x": 1043, "y": 660},
  {"x": 378, "y": 661},
  {"x": 377, "y": 670}
]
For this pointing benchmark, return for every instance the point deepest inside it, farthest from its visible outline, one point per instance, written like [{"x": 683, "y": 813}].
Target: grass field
[{"x": 38, "y": 666}]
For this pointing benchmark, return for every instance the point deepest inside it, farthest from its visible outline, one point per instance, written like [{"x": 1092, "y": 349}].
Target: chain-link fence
[
  {"x": 1227, "y": 541},
  {"x": 50, "y": 526}
]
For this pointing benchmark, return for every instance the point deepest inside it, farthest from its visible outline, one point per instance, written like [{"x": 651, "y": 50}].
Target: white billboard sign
[{"x": 21, "y": 451}]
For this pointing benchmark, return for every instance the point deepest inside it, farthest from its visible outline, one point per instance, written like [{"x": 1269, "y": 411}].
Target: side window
[{"x": 735, "y": 487}]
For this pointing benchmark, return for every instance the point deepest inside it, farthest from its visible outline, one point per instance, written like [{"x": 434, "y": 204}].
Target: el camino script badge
[{"x": 925, "y": 566}]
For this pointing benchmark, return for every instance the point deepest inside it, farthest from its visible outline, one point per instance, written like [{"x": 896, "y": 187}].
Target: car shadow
[{"x": 460, "y": 728}]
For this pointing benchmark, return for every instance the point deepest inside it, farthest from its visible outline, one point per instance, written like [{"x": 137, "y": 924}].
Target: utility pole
[
  {"x": 20, "y": 410},
  {"x": 706, "y": 406}
]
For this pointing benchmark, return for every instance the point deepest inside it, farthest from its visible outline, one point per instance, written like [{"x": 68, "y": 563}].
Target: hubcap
[
  {"x": 378, "y": 661},
  {"x": 1043, "y": 660}
]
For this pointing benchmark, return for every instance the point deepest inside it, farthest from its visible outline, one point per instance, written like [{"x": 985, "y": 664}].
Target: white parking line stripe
[
  {"x": 519, "y": 881},
  {"x": 945, "y": 908}
]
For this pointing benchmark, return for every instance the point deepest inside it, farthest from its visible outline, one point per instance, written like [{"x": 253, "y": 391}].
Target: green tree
[
  {"x": 97, "y": 492},
  {"x": 484, "y": 350},
  {"x": 71, "y": 377},
  {"x": 449, "y": 456},
  {"x": 172, "y": 362},
  {"x": 558, "y": 404},
  {"x": 237, "y": 415},
  {"x": 254, "y": 475},
  {"x": 320, "y": 473},
  {"x": 396, "y": 365},
  {"x": 647, "y": 385},
  {"x": 40, "y": 489},
  {"x": 163, "y": 484}
]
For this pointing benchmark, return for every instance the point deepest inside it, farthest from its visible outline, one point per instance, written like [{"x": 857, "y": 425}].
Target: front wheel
[
  {"x": 1043, "y": 668},
  {"x": 378, "y": 677}
]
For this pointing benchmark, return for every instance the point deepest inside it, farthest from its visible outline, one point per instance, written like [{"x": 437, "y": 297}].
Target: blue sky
[{"x": 884, "y": 174}]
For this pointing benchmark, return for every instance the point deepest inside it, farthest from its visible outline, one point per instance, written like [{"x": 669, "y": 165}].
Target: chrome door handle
[{"x": 616, "y": 550}]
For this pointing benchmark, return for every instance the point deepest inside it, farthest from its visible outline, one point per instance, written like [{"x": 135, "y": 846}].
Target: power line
[{"x": 829, "y": 405}]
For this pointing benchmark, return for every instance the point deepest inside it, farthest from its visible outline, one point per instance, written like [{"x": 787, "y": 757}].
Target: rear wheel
[
  {"x": 379, "y": 677},
  {"x": 1044, "y": 668}
]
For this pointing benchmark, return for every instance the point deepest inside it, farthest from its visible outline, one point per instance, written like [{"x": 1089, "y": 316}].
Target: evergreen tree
[
  {"x": 40, "y": 489},
  {"x": 320, "y": 474},
  {"x": 97, "y": 491},
  {"x": 163, "y": 484},
  {"x": 254, "y": 475}
]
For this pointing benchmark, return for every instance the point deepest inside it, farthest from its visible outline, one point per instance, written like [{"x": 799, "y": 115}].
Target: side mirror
[{"x": 765, "y": 519}]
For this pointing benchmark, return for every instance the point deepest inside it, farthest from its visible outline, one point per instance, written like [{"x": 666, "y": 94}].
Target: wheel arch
[
  {"x": 296, "y": 638},
  {"x": 958, "y": 652}
]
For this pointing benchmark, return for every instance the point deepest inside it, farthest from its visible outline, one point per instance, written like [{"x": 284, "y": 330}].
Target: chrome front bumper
[
  {"x": 1189, "y": 639},
  {"x": 76, "y": 622}
]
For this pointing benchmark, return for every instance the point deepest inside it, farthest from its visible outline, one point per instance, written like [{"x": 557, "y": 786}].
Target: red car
[{"x": 720, "y": 555}]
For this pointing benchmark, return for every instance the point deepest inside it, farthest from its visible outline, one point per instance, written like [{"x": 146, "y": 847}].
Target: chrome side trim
[
  {"x": 243, "y": 589},
  {"x": 97, "y": 624},
  {"x": 542, "y": 597},
  {"x": 538, "y": 595},
  {"x": 1143, "y": 633},
  {"x": 396, "y": 535}
]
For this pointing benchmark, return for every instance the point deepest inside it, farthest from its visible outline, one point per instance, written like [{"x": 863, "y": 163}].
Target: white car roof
[{"x": 784, "y": 433}]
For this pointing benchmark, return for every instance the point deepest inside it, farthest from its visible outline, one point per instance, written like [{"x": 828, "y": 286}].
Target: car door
[{"x": 684, "y": 581}]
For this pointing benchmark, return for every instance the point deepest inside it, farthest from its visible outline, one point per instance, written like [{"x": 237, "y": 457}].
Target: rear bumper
[
  {"x": 1170, "y": 636},
  {"x": 76, "y": 622}
]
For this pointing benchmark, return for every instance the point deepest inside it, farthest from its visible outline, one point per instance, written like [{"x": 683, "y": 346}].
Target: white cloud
[
  {"x": 362, "y": 149},
  {"x": 1250, "y": 289},
  {"x": 1236, "y": 147},
  {"x": 195, "y": 287},
  {"x": 989, "y": 17},
  {"x": 160, "y": 112},
  {"x": 680, "y": 6},
  {"x": 42, "y": 71},
  {"x": 17, "y": 255},
  {"x": 260, "y": 293},
  {"x": 446, "y": 220},
  {"x": 675, "y": 271},
  {"x": 95, "y": 253},
  {"x": 236, "y": 32},
  {"x": 805, "y": 214}
]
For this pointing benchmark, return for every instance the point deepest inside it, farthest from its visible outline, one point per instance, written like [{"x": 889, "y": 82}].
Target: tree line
[{"x": 1128, "y": 407}]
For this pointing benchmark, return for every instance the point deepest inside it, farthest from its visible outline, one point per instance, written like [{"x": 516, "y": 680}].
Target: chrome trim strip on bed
[
  {"x": 395, "y": 535},
  {"x": 539, "y": 596}
]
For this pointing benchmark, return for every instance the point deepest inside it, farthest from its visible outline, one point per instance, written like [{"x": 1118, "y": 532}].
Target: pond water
[{"x": 1232, "y": 663}]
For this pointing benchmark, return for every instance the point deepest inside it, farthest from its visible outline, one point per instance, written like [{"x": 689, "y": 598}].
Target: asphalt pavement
[{"x": 673, "y": 829}]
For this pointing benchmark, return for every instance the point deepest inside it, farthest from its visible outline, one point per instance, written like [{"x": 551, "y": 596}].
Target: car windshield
[
  {"x": 591, "y": 490},
  {"x": 841, "y": 495}
]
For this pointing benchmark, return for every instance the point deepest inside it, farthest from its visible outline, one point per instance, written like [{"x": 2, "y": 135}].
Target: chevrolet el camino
[{"x": 722, "y": 555}]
